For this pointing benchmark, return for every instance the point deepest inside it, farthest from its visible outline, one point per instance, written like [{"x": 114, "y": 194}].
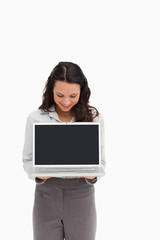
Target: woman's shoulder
[
  {"x": 97, "y": 117},
  {"x": 36, "y": 115}
]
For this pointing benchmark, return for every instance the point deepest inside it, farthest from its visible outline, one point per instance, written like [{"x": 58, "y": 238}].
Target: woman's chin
[{"x": 65, "y": 109}]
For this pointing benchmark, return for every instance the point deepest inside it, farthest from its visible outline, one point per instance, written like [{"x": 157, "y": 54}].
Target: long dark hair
[{"x": 71, "y": 73}]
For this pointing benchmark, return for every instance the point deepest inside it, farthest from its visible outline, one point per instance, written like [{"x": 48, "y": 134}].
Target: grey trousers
[{"x": 64, "y": 209}]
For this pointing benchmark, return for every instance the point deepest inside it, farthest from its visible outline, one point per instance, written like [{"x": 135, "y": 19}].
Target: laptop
[{"x": 67, "y": 149}]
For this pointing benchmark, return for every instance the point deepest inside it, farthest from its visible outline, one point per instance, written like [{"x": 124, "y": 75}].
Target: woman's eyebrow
[
  {"x": 71, "y": 94},
  {"x": 74, "y": 93},
  {"x": 59, "y": 93}
]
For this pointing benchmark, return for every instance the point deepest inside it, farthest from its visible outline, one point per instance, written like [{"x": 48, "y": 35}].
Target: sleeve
[
  {"x": 102, "y": 129},
  {"x": 27, "y": 149},
  {"x": 102, "y": 135}
]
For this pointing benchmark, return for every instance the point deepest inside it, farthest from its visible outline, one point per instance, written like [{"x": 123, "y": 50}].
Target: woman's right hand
[{"x": 44, "y": 177}]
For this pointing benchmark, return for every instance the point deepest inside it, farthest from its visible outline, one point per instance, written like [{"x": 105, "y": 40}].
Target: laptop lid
[{"x": 75, "y": 144}]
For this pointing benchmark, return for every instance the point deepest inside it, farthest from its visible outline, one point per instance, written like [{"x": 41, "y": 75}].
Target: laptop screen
[{"x": 66, "y": 144}]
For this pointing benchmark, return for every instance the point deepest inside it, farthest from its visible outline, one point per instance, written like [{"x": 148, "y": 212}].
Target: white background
[{"x": 116, "y": 43}]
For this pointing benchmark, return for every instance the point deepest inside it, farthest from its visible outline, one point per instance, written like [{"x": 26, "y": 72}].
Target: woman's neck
[{"x": 62, "y": 114}]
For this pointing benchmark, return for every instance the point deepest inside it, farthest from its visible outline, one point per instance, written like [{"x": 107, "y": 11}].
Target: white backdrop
[{"x": 116, "y": 43}]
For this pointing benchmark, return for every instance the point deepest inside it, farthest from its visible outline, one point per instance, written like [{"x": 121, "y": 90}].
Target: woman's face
[{"x": 66, "y": 95}]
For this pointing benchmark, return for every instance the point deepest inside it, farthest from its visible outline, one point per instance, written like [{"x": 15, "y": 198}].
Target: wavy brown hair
[{"x": 71, "y": 73}]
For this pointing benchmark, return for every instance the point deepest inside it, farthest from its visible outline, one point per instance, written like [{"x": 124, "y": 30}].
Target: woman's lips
[{"x": 66, "y": 106}]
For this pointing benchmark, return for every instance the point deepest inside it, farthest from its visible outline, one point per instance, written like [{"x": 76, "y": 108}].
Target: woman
[{"x": 64, "y": 208}]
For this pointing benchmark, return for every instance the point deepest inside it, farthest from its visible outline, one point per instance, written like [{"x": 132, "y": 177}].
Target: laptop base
[{"x": 70, "y": 172}]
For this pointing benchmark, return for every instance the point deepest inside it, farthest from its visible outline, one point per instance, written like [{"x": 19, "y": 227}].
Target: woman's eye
[{"x": 60, "y": 96}]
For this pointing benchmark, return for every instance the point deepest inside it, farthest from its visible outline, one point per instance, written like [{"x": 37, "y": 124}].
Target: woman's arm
[
  {"x": 27, "y": 149},
  {"x": 92, "y": 180}
]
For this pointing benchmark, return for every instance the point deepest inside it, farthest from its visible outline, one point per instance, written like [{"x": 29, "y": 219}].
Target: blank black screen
[{"x": 66, "y": 144}]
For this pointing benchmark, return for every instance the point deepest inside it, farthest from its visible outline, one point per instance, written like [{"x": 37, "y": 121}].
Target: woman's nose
[{"x": 66, "y": 101}]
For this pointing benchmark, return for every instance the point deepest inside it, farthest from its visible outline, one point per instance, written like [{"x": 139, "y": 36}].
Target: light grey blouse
[{"x": 41, "y": 116}]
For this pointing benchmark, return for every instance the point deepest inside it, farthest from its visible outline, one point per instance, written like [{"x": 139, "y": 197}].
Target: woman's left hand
[{"x": 88, "y": 177}]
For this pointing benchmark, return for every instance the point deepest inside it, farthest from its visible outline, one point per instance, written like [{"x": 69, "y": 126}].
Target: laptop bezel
[{"x": 64, "y": 165}]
